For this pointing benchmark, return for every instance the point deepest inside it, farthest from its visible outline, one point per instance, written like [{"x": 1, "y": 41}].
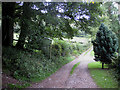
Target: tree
[
  {"x": 7, "y": 23},
  {"x": 50, "y": 19},
  {"x": 105, "y": 45},
  {"x": 26, "y": 17},
  {"x": 113, "y": 17}
]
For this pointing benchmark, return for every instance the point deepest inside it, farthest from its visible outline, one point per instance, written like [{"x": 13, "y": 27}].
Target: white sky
[
  {"x": 115, "y": 4},
  {"x": 48, "y": 0}
]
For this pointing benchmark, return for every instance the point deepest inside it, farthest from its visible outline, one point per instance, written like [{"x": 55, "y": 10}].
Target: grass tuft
[{"x": 73, "y": 68}]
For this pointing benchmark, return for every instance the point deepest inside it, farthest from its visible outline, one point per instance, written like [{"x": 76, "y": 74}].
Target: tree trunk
[
  {"x": 24, "y": 25},
  {"x": 7, "y": 23},
  {"x": 102, "y": 65}
]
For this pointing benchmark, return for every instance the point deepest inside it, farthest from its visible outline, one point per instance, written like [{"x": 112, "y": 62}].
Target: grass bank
[
  {"x": 104, "y": 78},
  {"x": 30, "y": 66}
]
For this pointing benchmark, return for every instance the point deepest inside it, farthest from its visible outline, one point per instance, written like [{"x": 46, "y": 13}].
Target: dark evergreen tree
[{"x": 105, "y": 45}]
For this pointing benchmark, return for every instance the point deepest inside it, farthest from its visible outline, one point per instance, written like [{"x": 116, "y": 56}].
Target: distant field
[
  {"x": 15, "y": 36},
  {"x": 83, "y": 40}
]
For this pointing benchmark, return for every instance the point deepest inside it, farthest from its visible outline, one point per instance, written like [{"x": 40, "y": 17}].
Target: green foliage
[
  {"x": 92, "y": 53},
  {"x": 111, "y": 17},
  {"x": 28, "y": 66},
  {"x": 56, "y": 49},
  {"x": 10, "y": 58},
  {"x": 105, "y": 45},
  {"x": 116, "y": 68},
  {"x": 96, "y": 65},
  {"x": 31, "y": 65},
  {"x": 104, "y": 78},
  {"x": 78, "y": 47},
  {"x": 35, "y": 41},
  {"x": 75, "y": 52},
  {"x": 50, "y": 22},
  {"x": 20, "y": 63},
  {"x": 64, "y": 47},
  {"x": 18, "y": 85}
]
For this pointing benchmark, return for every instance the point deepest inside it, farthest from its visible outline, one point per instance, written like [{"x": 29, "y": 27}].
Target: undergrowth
[{"x": 34, "y": 66}]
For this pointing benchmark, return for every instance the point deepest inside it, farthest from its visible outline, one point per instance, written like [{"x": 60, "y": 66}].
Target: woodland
[{"x": 38, "y": 38}]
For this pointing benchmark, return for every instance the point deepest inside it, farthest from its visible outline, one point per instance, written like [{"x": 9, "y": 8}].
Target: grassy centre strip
[{"x": 73, "y": 68}]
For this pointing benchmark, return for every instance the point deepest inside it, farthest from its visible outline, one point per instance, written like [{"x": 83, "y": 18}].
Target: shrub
[
  {"x": 117, "y": 69},
  {"x": 78, "y": 46},
  {"x": 64, "y": 46},
  {"x": 22, "y": 63},
  {"x": 56, "y": 49},
  {"x": 74, "y": 46},
  {"x": 26, "y": 66},
  {"x": 10, "y": 57},
  {"x": 75, "y": 52}
]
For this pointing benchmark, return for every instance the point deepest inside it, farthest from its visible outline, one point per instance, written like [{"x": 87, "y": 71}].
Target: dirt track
[{"x": 62, "y": 78}]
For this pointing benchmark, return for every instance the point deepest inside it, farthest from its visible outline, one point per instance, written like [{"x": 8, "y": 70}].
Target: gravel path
[{"x": 62, "y": 78}]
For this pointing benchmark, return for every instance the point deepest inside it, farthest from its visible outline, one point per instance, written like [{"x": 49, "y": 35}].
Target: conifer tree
[{"x": 105, "y": 45}]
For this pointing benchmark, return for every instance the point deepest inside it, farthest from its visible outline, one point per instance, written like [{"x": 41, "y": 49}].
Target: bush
[
  {"x": 22, "y": 63},
  {"x": 10, "y": 57},
  {"x": 117, "y": 69},
  {"x": 78, "y": 46},
  {"x": 56, "y": 49},
  {"x": 26, "y": 66},
  {"x": 74, "y": 46},
  {"x": 71, "y": 48},
  {"x": 64, "y": 46},
  {"x": 75, "y": 52}
]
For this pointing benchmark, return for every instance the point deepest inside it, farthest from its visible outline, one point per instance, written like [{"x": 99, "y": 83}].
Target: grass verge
[
  {"x": 92, "y": 53},
  {"x": 87, "y": 52},
  {"x": 102, "y": 77},
  {"x": 73, "y": 68},
  {"x": 47, "y": 74},
  {"x": 18, "y": 85}
]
